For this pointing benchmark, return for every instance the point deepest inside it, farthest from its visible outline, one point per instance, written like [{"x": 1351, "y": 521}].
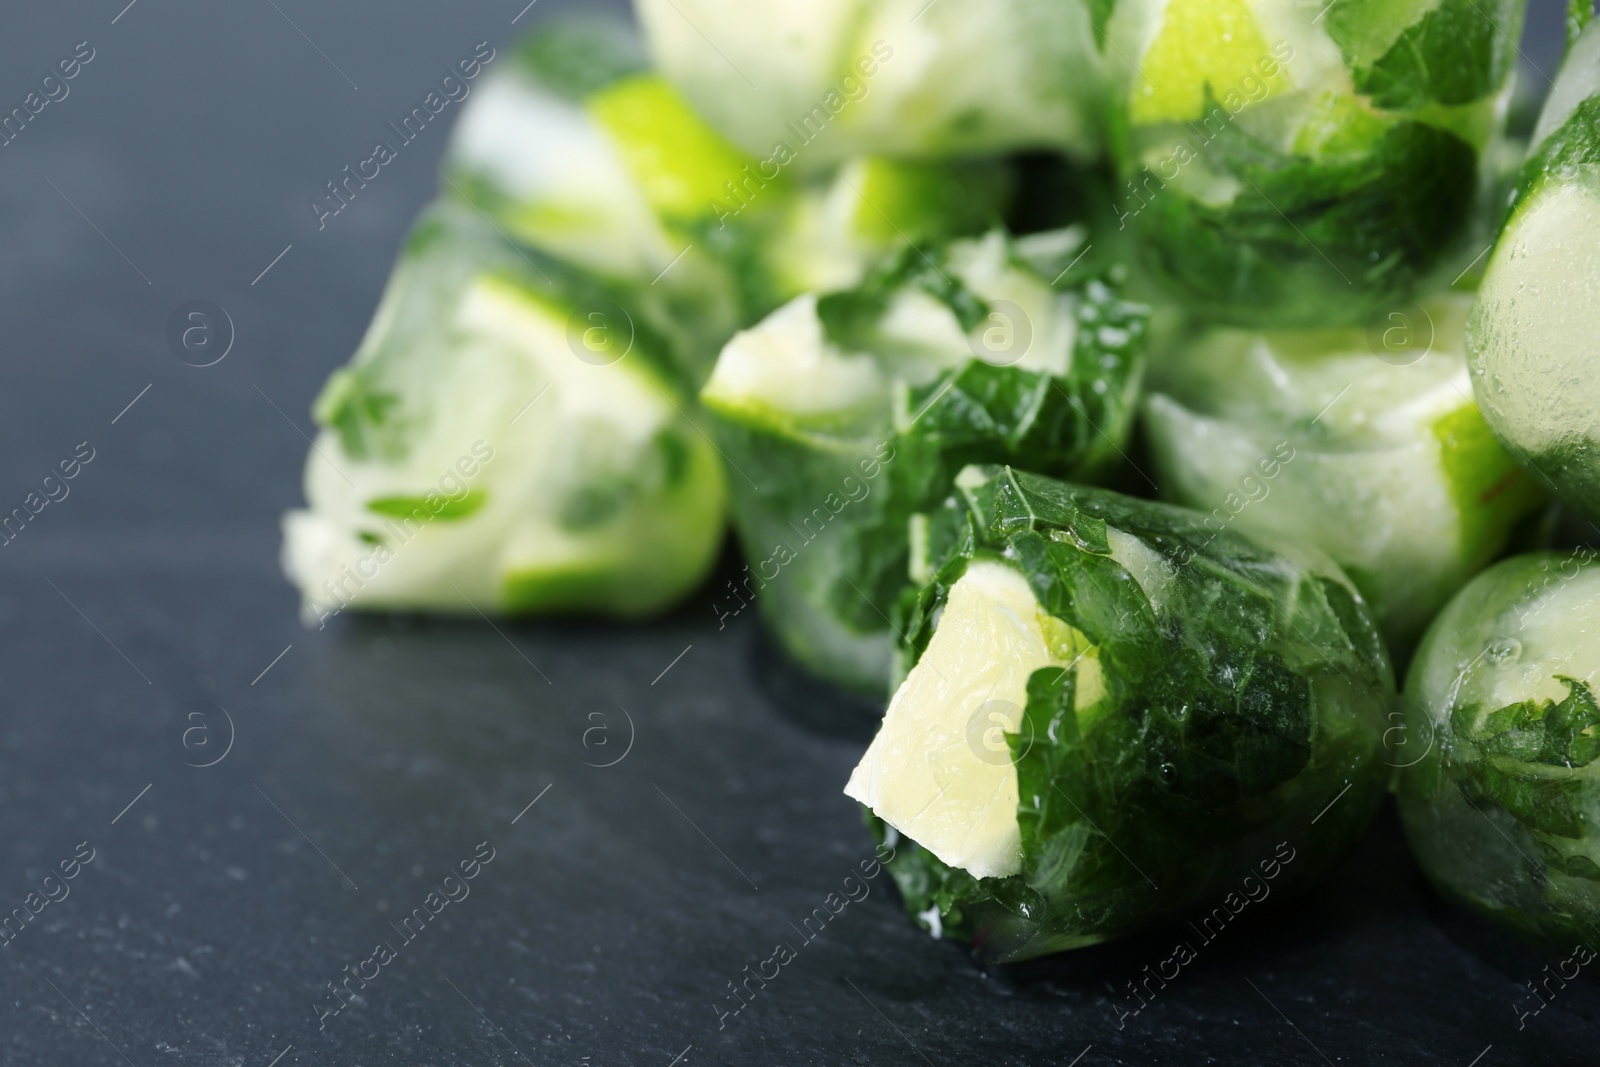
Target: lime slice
[
  {"x": 1366, "y": 29},
  {"x": 1532, "y": 338},
  {"x": 1202, "y": 43},
  {"x": 615, "y": 471},
  {"x": 1383, "y": 463},
  {"x": 784, "y": 373},
  {"x": 1578, "y": 81},
  {"x": 1511, "y": 632},
  {"x": 1337, "y": 124},
  {"x": 902, "y": 199},
  {"x": 1557, "y": 633},
  {"x": 568, "y": 561},
  {"x": 1489, "y": 489},
  {"x": 556, "y": 178},
  {"x": 546, "y": 569},
  {"x": 940, "y": 770},
  {"x": 682, "y": 164}
]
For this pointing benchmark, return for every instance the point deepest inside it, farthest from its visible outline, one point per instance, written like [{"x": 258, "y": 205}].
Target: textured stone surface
[{"x": 373, "y": 756}]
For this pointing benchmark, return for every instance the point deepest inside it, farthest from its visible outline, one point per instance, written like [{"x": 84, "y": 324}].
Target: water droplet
[{"x": 1168, "y": 772}]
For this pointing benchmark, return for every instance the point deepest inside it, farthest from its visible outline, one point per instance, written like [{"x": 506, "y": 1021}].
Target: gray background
[{"x": 374, "y": 755}]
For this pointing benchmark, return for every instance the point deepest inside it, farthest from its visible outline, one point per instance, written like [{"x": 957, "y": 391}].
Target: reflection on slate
[{"x": 808, "y": 701}]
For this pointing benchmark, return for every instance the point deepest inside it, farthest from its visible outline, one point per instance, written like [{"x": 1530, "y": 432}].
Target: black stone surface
[{"x": 357, "y": 766}]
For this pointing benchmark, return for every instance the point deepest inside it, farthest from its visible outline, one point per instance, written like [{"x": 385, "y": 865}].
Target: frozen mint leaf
[
  {"x": 1459, "y": 52},
  {"x": 577, "y": 57},
  {"x": 1100, "y": 12},
  {"x": 1579, "y": 14},
  {"x": 853, "y": 412},
  {"x": 1194, "y": 713},
  {"x": 1573, "y": 727},
  {"x": 1300, "y": 226}
]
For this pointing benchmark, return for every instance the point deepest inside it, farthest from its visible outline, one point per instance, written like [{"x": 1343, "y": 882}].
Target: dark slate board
[{"x": 375, "y": 756}]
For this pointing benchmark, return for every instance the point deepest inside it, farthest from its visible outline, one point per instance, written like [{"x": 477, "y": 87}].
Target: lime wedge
[
  {"x": 940, "y": 770},
  {"x": 1202, "y": 43},
  {"x": 1490, "y": 490},
  {"x": 1531, "y": 342},
  {"x": 783, "y": 373},
  {"x": 682, "y": 164}
]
